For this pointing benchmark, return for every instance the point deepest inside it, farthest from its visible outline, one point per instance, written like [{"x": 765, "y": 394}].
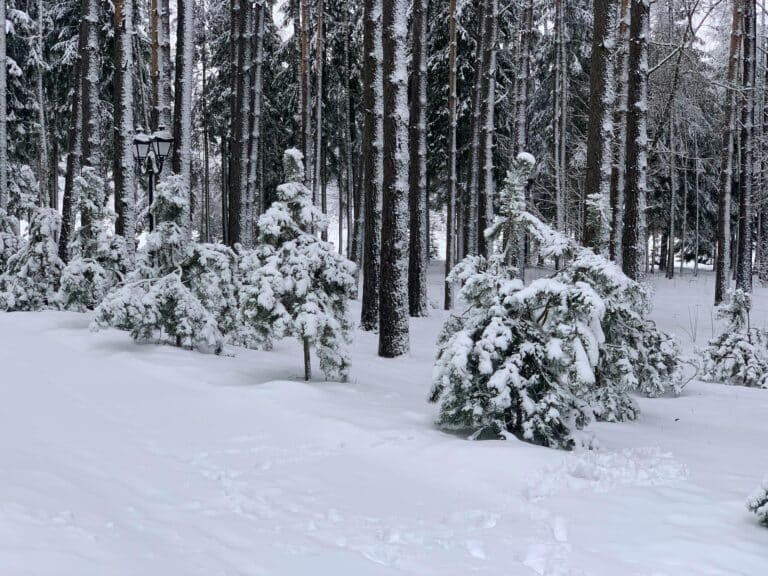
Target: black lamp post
[{"x": 150, "y": 151}]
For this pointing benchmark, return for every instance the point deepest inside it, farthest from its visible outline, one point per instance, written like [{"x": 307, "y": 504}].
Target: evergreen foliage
[
  {"x": 9, "y": 239},
  {"x": 99, "y": 259},
  {"x": 179, "y": 291},
  {"x": 538, "y": 361},
  {"x": 32, "y": 275},
  {"x": 294, "y": 284},
  {"x": 758, "y": 502},
  {"x": 740, "y": 354}
]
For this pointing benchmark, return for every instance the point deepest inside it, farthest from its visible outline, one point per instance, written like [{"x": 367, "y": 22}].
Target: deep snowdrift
[{"x": 124, "y": 459}]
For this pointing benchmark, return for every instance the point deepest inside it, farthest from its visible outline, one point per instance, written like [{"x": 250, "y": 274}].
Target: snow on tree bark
[
  {"x": 723, "y": 255},
  {"x": 372, "y": 162},
  {"x": 417, "y": 178},
  {"x": 3, "y": 111},
  {"x": 123, "y": 167},
  {"x": 182, "y": 112},
  {"x": 747, "y": 171},
  {"x": 599, "y": 128},
  {"x": 393, "y": 329},
  {"x": 619, "y": 147},
  {"x": 451, "y": 220},
  {"x": 634, "y": 233}
]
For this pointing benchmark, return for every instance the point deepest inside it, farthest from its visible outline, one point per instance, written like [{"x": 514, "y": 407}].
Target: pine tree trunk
[
  {"x": 417, "y": 178},
  {"x": 306, "y": 94},
  {"x": 670, "y": 266},
  {"x": 75, "y": 141},
  {"x": 634, "y": 234},
  {"x": 372, "y": 180},
  {"x": 256, "y": 100},
  {"x": 123, "y": 166},
  {"x": 722, "y": 262},
  {"x": 238, "y": 122},
  {"x": 450, "y": 245},
  {"x": 559, "y": 116},
  {"x": 684, "y": 224},
  {"x": 91, "y": 70},
  {"x": 44, "y": 178},
  {"x": 166, "y": 66},
  {"x": 698, "y": 200},
  {"x": 523, "y": 77},
  {"x": 618, "y": 173},
  {"x": 599, "y": 123},
  {"x": 485, "y": 188},
  {"x": 3, "y": 111},
  {"x": 319, "y": 142},
  {"x": 744, "y": 257},
  {"x": 393, "y": 332},
  {"x": 182, "y": 110}
]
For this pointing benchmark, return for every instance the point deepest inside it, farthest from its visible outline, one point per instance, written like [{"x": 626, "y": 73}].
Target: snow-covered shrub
[
  {"x": 32, "y": 275},
  {"x": 100, "y": 259},
  {"x": 636, "y": 356},
  {"x": 179, "y": 291},
  {"x": 538, "y": 361},
  {"x": 294, "y": 284},
  {"x": 758, "y": 502},
  {"x": 740, "y": 354},
  {"x": 521, "y": 360},
  {"x": 9, "y": 239},
  {"x": 23, "y": 190}
]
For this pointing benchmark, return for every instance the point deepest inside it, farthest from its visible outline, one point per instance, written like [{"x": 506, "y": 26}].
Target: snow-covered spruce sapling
[
  {"x": 9, "y": 239},
  {"x": 758, "y": 502},
  {"x": 740, "y": 354},
  {"x": 293, "y": 283},
  {"x": 100, "y": 259},
  {"x": 179, "y": 291},
  {"x": 538, "y": 361},
  {"x": 32, "y": 275}
]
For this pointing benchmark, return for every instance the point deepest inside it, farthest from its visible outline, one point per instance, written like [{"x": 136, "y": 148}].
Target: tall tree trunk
[
  {"x": 619, "y": 147},
  {"x": 599, "y": 126},
  {"x": 256, "y": 100},
  {"x": 182, "y": 110},
  {"x": 75, "y": 141},
  {"x": 485, "y": 188},
  {"x": 166, "y": 67},
  {"x": 91, "y": 71},
  {"x": 722, "y": 261},
  {"x": 670, "y": 267},
  {"x": 523, "y": 77},
  {"x": 634, "y": 234},
  {"x": 559, "y": 117},
  {"x": 393, "y": 330},
  {"x": 470, "y": 202},
  {"x": 319, "y": 142},
  {"x": 684, "y": 224},
  {"x": 450, "y": 244},
  {"x": 417, "y": 178},
  {"x": 372, "y": 180},
  {"x": 44, "y": 177},
  {"x": 238, "y": 154},
  {"x": 744, "y": 258},
  {"x": 3, "y": 111},
  {"x": 123, "y": 167},
  {"x": 306, "y": 94},
  {"x": 698, "y": 200}
]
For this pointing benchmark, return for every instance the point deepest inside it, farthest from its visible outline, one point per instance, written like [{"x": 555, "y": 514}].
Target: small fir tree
[
  {"x": 179, "y": 291},
  {"x": 32, "y": 275},
  {"x": 740, "y": 354},
  {"x": 538, "y": 361},
  {"x": 9, "y": 239},
  {"x": 758, "y": 502},
  {"x": 294, "y": 284},
  {"x": 100, "y": 259}
]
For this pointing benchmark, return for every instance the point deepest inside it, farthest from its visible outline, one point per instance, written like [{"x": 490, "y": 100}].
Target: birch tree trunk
[
  {"x": 746, "y": 175},
  {"x": 417, "y": 178},
  {"x": 372, "y": 180},
  {"x": 634, "y": 233},
  {"x": 123, "y": 167},
  {"x": 393, "y": 330},
  {"x": 722, "y": 260},
  {"x": 450, "y": 244}
]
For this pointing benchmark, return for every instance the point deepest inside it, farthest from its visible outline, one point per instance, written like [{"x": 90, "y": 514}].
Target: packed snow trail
[{"x": 138, "y": 459}]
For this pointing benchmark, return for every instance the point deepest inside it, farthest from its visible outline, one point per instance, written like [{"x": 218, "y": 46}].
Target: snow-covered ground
[{"x": 121, "y": 459}]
